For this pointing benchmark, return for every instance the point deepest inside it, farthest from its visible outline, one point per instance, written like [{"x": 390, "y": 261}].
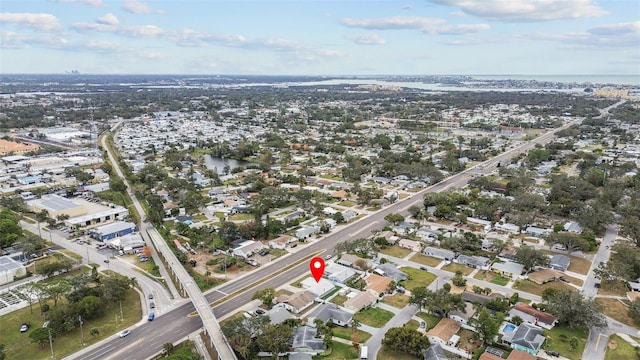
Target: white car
[
  {"x": 124, "y": 333},
  {"x": 328, "y": 256}
]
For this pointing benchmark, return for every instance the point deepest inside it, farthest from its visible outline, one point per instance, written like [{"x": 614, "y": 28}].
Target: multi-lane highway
[{"x": 171, "y": 326}]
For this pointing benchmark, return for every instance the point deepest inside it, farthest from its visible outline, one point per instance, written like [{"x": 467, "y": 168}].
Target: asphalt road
[{"x": 275, "y": 273}]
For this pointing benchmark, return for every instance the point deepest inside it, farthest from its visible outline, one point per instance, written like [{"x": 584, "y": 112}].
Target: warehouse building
[
  {"x": 56, "y": 205},
  {"x": 110, "y": 231},
  {"x": 10, "y": 270}
]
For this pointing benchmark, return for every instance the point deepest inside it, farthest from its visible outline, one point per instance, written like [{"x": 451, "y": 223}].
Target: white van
[{"x": 364, "y": 353}]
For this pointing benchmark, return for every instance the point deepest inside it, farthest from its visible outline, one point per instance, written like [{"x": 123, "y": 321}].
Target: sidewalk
[{"x": 629, "y": 339}]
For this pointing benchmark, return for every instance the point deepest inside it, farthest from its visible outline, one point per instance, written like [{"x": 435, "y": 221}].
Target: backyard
[
  {"x": 373, "y": 317},
  {"x": 491, "y": 277},
  {"x": 559, "y": 339},
  {"x": 616, "y": 287},
  {"x": 385, "y": 354},
  {"x": 618, "y": 348},
  {"x": 396, "y": 300},
  {"x": 615, "y": 309},
  {"x": 416, "y": 278},
  {"x": 533, "y": 288},
  {"x": 340, "y": 351},
  {"x": 453, "y": 267},
  {"x": 347, "y": 332}
]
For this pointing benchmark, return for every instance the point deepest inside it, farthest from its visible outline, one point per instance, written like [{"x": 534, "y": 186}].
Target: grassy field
[
  {"x": 491, "y": 277},
  {"x": 396, "y": 251},
  {"x": 340, "y": 351},
  {"x": 453, "y": 267},
  {"x": 618, "y": 348},
  {"x": 579, "y": 265},
  {"x": 346, "y": 203},
  {"x": 559, "y": 337},
  {"x": 298, "y": 283},
  {"x": 397, "y": 300},
  {"x": 616, "y": 287},
  {"x": 346, "y": 332},
  {"x": 614, "y": 309},
  {"x": 533, "y": 288},
  {"x": 240, "y": 217},
  {"x": 373, "y": 317},
  {"x": 430, "y": 319},
  {"x": 385, "y": 354},
  {"x": 417, "y": 278},
  {"x": 19, "y": 345},
  {"x": 425, "y": 260}
]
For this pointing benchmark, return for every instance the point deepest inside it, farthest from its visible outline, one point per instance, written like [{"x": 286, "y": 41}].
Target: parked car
[
  {"x": 152, "y": 305},
  {"x": 150, "y": 296},
  {"x": 424, "y": 268},
  {"x": 24, "y": 327},
  {"x": 260, "y": 312},
  {"x": 124, "y": 333},
  {"x": 328, "y": 256}
]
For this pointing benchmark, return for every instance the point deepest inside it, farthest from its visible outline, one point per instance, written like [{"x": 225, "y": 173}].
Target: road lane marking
[
  {"x": 222, "y": 292},
  {"x": 598, "y": 342}
]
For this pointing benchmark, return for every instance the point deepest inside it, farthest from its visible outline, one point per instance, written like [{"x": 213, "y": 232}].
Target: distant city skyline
[{"x": 330, "y": 37}]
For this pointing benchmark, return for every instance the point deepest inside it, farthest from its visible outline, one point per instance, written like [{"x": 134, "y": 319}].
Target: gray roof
[
  {"x": 434, "y": 352},
  {"x": 326, "y": 312},
  {"x": 279, "y": 314},
  {"x": 392, "y": 272},
  {"x": 7, "y": 264},
  {"x": 560, "y": 260},
  {"x": 473, "y": 260},
  {"x": 305, "y": 337},
  {"x": 526, "y": 335},
  {"x": 114, "y": 227},
  {"x": 300, "y": 356},
  {"x": 55, "y": 202},
  {"x": 509, "y": 267}
]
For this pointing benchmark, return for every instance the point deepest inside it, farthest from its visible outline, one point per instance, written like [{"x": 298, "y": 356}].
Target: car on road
[
  {"x": 124, "y": 333},
  {"x": 260, "y": 312},
  {"x": 150, "y": 296},
  {"x": 424, "y": 268},
  {"x": 152, "y": 305},
  {"x": 328, "y": 256},
  {"x": 24, "y": 327}
]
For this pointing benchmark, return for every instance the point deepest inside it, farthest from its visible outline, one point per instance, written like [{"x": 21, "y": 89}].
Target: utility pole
[
  {"x": 81, "y": 332},
  {"x": 51, "y": 343}
]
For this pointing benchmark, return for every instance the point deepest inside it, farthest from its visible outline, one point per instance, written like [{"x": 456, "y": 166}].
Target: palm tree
[{"x": 168, "y": 348}]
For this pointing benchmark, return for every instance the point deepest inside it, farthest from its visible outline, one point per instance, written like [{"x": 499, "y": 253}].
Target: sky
[{"x": 321, "y": 37}]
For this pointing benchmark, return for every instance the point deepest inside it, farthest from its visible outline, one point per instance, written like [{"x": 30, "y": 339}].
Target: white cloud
[
  {"x": 526, "y": 10},
  {"x": 14, "y": 40},
  {"x": 124, "y": 30},
  {"x": 610, "y": 35},
  {"x": 92, "y": 3},
  {"x": 367, "y": 39},
  {"x": 139, "y": 7},
  {"x": 37, "y": 21},
  {"x": 108, "y": 19},
  {"x": 432, "y": 26}
]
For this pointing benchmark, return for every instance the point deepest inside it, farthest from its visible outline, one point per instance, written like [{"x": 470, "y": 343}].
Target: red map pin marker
[{"x": 317, "y": 268}]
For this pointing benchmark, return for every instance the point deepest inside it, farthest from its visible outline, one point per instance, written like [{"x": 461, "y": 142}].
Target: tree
[
  {"x": 440, "y": 300},
  {"x": 394, "y": 218},
  {"x": 265, "y": 295},
  {"x": 458, "y": 279},
  {"x": 3, "y": 355},
  {"x": 56, "y": 289},
  {"x": 10, "y": 231},
  {"x": 634, "y": 311},
  {"x": 407, "y": 340},
  {"x": 530, "y": 257},
  {"x": 94, "y": 331},
  {"x": 114, "y": 288},
  {"x": 487, "y": 325},
  {"x": 168, "y": 348},
  {"x": 575, "y": 310},
  {"x": 631, "y": 229},
  {"x": 275, "y": 339},
  {"x": 571, "y": 242},
  {"x": 574, "y": 342},
  {"x": 90, "y": 307},
  {"x": 41, "y": 335},
  {"x": 624, "y": 263}
]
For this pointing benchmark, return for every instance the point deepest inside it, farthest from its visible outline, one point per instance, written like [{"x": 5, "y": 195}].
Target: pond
[{"x": 217, "y": 164}]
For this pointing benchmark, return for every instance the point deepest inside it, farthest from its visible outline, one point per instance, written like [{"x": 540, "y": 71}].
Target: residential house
[
  {"x": 480, "y": 262},
  {"x": 281, "y": 242},
  {"x": 559, "y": 262},
  {"x": 362, "y": 300},
  {"x": 403, "y": 228},
  {"x": 486, "y": 225},
  {"x": 318, "y": 288},
  {"x": 508, "y": 269},
  {"x": 349, "y": 215},
  {"x": 410, "y": 244},
  {"x": 306, "y": 339},
  {"x": 438, "y": 253},
  {"x": 305, "y": 232},
  {"x": 332, "y": 312},
  {"x": 520, "y": 355},
  {"x": 481, "y": 299},
  {"x": 536, "y": 231},
  {"x": 489, "y": 356},
  {"x": 296, "y": 302},
  {"x": 533, "y": 316},
  {"x": 377, "y": 284},
  {"x": 573, "y": 227},
  {"x": 338, "y": 273},
  {"x": 354, "y": 261},
  {"x": 508, "y": 227},
  {"x": 434, "y": 352},
  {"x": 247, "y": 248},
  {"x": 444, "y": 333},
  {"x": 392, "y": 271},
  {"x": 526, "y": 337},
  {"x": 544, "y": 276},
  {"x": 278, "y": 315},
  {"x": 463, "y": 317},
  {"x": 508, "y": 253},
  {"x": 299, "y": 356},
  {"x": 425, "y": 233}
]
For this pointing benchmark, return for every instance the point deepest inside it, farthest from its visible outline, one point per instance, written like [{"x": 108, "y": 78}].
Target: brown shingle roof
[
  {"x": 488, "y": 356},
  {"x": 377, "y": 283},
  {"x": 540, "y": 315},
  {"x": 445, "y": 329},
  {"x": 520, "y": 355}
]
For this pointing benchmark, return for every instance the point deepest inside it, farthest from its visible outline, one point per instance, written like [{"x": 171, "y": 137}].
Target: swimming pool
[{"x": 508, "y": 328}]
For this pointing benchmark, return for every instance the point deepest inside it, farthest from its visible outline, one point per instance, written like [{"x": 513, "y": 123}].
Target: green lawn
[
  {"x": 346, "y": 203},
  {"x": 19, "y": 346},
  {"x": 430, "y": 319},
  {"x": 618, "y": 348},
  {"x": 339, "y": 300},
  {"x": 373, "y": 317},
  {"x": 559, "y": 337},
  {"x": 396, "y": 251},
  {"x": 385, "y": 354},
  {"x": 346, "y": 332},
  {"x": 453, "y": 267},
  {"x": 240, "y": 217},
  {"x": 340, "y": 351},
  {"x": 425, "y": 260},
  {"x": 417, "y": 278},
  {"x": 396, "y": 300},
  {"x": 335, "y": 290},
  {"x": 533, "y": 288}
]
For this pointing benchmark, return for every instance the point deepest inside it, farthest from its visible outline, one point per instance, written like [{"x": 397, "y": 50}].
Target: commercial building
[
  {"x": 56, "y": 205},
  {"x": 10, "y": 269},
  {"x": 110, "y": 231}
]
